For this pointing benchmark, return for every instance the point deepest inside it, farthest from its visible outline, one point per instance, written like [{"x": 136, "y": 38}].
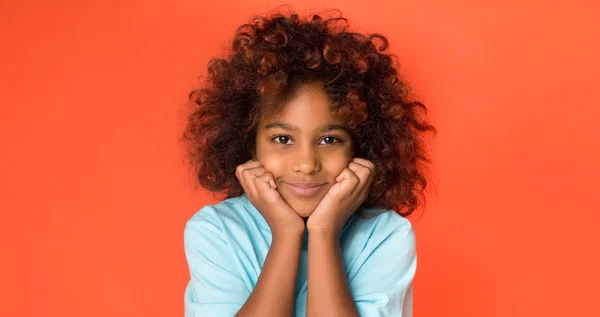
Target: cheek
[
  {"x": 272, "y": 164},
  {"x": 334, "y": 167},
  {"x": 265, "y": 155}
]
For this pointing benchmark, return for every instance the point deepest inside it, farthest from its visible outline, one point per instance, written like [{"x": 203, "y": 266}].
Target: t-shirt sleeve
[
  {"x": 383, "y": 284},
  {"x": 215, "y": 289}
]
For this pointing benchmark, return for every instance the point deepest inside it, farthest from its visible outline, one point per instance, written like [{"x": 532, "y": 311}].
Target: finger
[
  {"x": 240, "y": 168},
  {"x": 238, "y": 173},
  {"x": 364, "y": 162},
  {"x": 361, "y": 171},
  {"x": 249, "y": 175},
  {"x": 271, "y": 180},
  {"x": 263, "y": 188},
  {"x": 349, "y": 181},
  {"x": 249, "y": 164},
  {"x": 367, "y": 164},
  {"x": 365, "y": 175},
  {"x": 265, "y": 178},
  {"x": 254, "y": 172}
]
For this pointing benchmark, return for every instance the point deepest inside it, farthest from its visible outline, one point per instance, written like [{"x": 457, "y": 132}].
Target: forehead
[{"x": 310, "y": 106}]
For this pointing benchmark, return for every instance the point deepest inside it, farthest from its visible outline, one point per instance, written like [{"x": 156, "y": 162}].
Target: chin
[
  {"x": 303, "y": 207},
  {"x": 303, "y": 210}
]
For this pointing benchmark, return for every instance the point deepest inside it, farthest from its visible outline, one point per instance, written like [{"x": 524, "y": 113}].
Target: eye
[
  {"x": 282, "y": 139},
  {"x": 330, "y": 140}
]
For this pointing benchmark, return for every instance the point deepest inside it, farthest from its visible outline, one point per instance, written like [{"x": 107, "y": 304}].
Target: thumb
[
  {"x": 271, "y": 180},
  {"x": 264, "y": 188}
]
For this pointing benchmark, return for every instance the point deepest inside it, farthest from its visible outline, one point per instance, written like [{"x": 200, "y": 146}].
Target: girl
[{"x": 308, "y": 132}]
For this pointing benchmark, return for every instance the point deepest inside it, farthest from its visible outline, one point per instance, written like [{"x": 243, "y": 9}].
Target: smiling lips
[{"x": 306, "y": 190}]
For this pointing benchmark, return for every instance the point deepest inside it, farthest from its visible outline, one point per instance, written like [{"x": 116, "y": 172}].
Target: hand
[
  {"x": 261, "y": 189},
  {"x": 343, "y": 198}
]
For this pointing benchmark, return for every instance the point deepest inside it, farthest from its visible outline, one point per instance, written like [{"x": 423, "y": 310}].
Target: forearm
[
  {"x": 328, "y": 292},
  {"x": 274, "y": 292}
]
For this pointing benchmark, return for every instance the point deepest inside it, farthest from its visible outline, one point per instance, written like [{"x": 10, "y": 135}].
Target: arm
[
  {"x": 216, "y": 287},
  {"x": 328, "y": 292},
  {"x": 381, "y": 287},
  {"x": 274, "y": 292},
  {"x": 217, "y": 290}
]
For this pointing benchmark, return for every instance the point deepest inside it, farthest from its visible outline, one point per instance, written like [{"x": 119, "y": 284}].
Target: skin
[
  {"x": 304, "y": 143},
  {"x": 293, "y": 149}
]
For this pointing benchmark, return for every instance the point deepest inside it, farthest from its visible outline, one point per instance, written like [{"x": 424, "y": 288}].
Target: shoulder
[
  {"x": 231, "y": 219},
  {"x": 211, "y": 213},
  {"x": 399, "y": 233},
  {"x": 383, "y": 223},
  {"x": 384, "y": 229},
  {"x": 211, "y": 219},
  {"x": 380, "y": 247}
]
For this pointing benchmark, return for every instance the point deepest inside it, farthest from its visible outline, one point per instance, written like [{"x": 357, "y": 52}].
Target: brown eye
[
  {"x": 329, "y": 140},
  {"x": 282, "y": 139}
]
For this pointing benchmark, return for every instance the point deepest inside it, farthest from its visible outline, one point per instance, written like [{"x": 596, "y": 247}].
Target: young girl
[{"x": 310, "y": 134}]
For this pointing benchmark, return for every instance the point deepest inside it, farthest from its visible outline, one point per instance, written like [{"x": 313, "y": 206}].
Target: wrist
[
  {"x": 322, "y": 232},
  {"x": 288, "y": 235}
]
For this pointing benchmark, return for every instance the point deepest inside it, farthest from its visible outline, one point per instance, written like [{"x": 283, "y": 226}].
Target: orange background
[{"x": 95, "y": 192}]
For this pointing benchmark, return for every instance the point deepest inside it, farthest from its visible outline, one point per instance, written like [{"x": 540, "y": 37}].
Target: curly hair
[{"x": 269, "y": 58}]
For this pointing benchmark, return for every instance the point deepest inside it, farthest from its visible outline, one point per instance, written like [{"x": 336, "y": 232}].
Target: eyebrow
[{"x": 322, "y": 128}]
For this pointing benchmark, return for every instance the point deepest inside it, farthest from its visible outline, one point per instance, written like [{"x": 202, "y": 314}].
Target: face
[{"x": 304, "y": 147}]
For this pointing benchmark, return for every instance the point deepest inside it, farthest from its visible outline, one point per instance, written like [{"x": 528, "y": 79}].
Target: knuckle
[
  {"x": 259, "y": 181},
  {"x": 371, "y": 168},
  {"x": 244, "y": 173}
]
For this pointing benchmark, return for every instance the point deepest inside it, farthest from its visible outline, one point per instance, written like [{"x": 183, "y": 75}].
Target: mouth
[{"x": 305, "y": 190}]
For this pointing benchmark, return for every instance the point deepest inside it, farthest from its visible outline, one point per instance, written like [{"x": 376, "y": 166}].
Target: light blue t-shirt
[{"x": 226, "y": 245}]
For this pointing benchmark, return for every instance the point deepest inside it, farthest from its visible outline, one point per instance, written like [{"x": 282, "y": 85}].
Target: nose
[{"x": 306, "y": 161}]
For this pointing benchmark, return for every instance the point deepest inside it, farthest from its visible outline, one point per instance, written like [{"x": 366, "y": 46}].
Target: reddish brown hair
[{"x": 269, "y": 58}]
